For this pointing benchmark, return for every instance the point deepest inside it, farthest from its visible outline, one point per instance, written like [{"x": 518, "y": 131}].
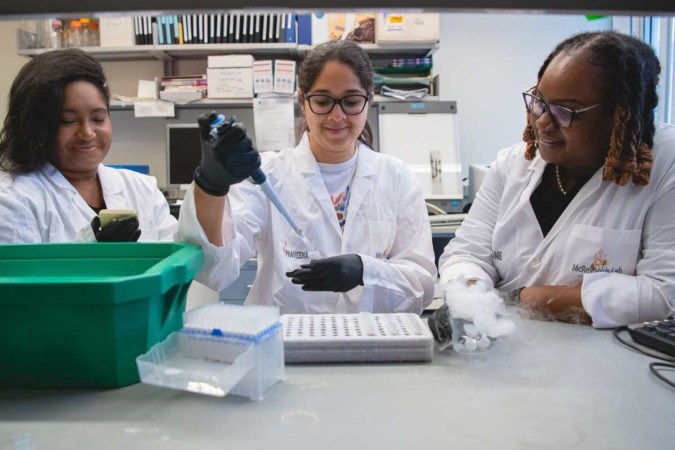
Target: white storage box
[
  {"x": 225, "y": 61},
  {"x": 222, "y": 349},
  {"x": 263, "y": 77},
  {"x": 230, "y": 83},
  {"x": 408, "y": 27},
  {"x": 363, "y": 337},
  {"x": 284, "y": 76}
]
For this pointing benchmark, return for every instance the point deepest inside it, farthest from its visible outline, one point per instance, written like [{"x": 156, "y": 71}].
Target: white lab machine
[
  {"x": 425, "y": 135},
  {"x": 477, "y": 173}
]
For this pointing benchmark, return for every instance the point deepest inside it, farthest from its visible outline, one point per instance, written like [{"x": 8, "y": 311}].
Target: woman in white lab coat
[
  {"x": 52, "y": 182},
  {"x": 577, "y": 221},
  {"x": 363, "y": 212}
]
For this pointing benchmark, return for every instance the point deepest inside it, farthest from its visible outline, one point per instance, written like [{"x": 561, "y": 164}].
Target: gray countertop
[{"x": 548, "y": 386}]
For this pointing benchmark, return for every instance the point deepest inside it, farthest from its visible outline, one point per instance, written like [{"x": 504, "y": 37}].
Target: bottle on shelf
[
  {"x": 96, "y": 37},
  {"x": 85, "y": 32},
  {"x": 56, "y": 34},
  {"x": 74, "y": 36}
]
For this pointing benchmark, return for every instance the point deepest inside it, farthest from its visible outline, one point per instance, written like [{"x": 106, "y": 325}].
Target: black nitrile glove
[
  {"x": 439, "y": 324},
  {"x": 337, "y": 273},
  {"x": 119, "y": 230},
  {"x": 226, "y": 160}
]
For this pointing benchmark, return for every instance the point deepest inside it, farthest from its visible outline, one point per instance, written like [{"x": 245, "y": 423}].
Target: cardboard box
[
  {"x": 396, "y": 27},
  {"x": 224, "y": 61},
  {"x": 234, "y": 82},
  {"x": 263, "y": 77},
  {"x": 116, "y": 31},
  {"x": 336, "y": 26},
  {"x": 284, "y": 76}
]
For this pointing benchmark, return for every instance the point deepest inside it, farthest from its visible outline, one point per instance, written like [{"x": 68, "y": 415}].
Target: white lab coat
[
  {"x": 387, "y": 225},
  {"x": 618, "y": 241},
  {"x": 43, "y": 206}
]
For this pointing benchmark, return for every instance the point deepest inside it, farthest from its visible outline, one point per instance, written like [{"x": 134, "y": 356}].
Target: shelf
[
  {"x": 194, "y": 51},
  {"x": 118, "y": 105}
]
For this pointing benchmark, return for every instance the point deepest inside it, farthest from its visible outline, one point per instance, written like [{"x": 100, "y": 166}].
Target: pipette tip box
[{"x": 221, "y": 349}]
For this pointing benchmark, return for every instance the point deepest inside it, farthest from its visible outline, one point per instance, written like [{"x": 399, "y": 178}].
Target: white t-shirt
[{"x": 338, "y": 178}]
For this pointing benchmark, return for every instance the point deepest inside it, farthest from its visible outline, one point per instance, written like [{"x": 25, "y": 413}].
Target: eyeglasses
[
  {"x": 561, "y": 116},
  {"x": 351, "y": 104}
]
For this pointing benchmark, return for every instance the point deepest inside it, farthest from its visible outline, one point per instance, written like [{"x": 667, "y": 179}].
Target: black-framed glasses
[
  {"x": 562, "y": 117},
  {"x": 351, "y": 104}
]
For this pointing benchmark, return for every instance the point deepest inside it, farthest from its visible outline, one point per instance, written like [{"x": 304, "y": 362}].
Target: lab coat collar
[
  {"x": 366, "y": 166},
  {"x": 56, "y": 177},
  {"x": 113, "y": 187}
]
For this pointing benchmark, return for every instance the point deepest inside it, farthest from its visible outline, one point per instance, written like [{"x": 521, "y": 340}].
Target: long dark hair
[
  {"x": 629, "y": 78},
  {"x": 28, "y": 137},
  {"x": 347, "y": 53}
]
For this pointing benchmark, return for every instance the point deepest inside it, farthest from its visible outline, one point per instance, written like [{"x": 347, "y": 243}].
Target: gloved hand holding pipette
[{"x": 228, "y": 156}]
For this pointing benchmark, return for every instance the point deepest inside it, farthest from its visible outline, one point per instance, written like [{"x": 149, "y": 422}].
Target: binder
[
  {"x": 230, "y": 36},
  {"x": 219, "y": 28},
  {"x": 226, "y": 20},
  {"x": 160, "y": 30},
  {"x": 195, "y": 29},
  {"x": 304, "y": 22},
  {"x": 205, "y": 28},
  {"x": 264, "y": 27},
  {"x": 148, "y": 28},
  {"x": 244, "y": 28},
  {"x": 153, "y": 23},
  {"x": 282, "y": 28},
  {"x": 181, "y": 31},
  {"x": 168, "y": 30},
  {"x": 256, "y": 29},
  {"x": 277, "y": 30},
  {"x": 237, "y": 28},
  {"x": 290, "y": 29},
  {"x": 176, "y": 31},
  {"x": 188, "y": 29}
]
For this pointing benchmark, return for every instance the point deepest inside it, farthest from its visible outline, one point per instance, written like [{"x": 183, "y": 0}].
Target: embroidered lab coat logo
[
  {"x": 497, "y": 254},
  {"x": 384, "y": 254},
  {"x": 294, "y": 254},
  {"x": 599, "y": 264}
]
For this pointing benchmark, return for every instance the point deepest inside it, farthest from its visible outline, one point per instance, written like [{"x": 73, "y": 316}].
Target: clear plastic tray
[
  {"x": 197, "y": 363},
  {"x": 222, "y": 349}
]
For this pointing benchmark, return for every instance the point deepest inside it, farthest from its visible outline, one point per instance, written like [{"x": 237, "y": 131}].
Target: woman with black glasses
[
  {"x": 361, "y": 211},
  {"x": 577, "y": 222}
]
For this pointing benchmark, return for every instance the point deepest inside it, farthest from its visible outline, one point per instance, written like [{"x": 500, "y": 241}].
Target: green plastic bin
[{"x": 78, "y": 315}]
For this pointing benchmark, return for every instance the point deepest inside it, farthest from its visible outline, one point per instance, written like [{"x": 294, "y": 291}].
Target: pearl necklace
[{"x": 557, "y": 178}]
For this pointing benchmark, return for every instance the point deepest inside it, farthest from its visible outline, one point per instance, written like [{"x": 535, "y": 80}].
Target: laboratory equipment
[
  {"x": 221, "y": 349},
  {"x": 477, "y": 173},
  {"x": 183, "y": 153},
  {"x": 658, "y": 335},
  {"x": 362, "y": 337},
  {"x": 425, "y": 136},
  {"x": 218, "y": 125},
  {"x": 77, "y": 315}
]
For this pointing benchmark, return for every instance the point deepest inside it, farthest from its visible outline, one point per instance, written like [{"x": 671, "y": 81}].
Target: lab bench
[{"x": 550, "y": 385}]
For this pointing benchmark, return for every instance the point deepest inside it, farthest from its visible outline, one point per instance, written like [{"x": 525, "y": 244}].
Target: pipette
[{"x": 258, "y": 177}]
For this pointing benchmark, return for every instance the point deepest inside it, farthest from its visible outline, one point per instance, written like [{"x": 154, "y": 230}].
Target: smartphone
[{"x": 108, "y": 215}]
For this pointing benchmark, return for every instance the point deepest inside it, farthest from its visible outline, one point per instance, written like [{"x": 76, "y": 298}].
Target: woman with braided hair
[{"x": 576, "y": 223}]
